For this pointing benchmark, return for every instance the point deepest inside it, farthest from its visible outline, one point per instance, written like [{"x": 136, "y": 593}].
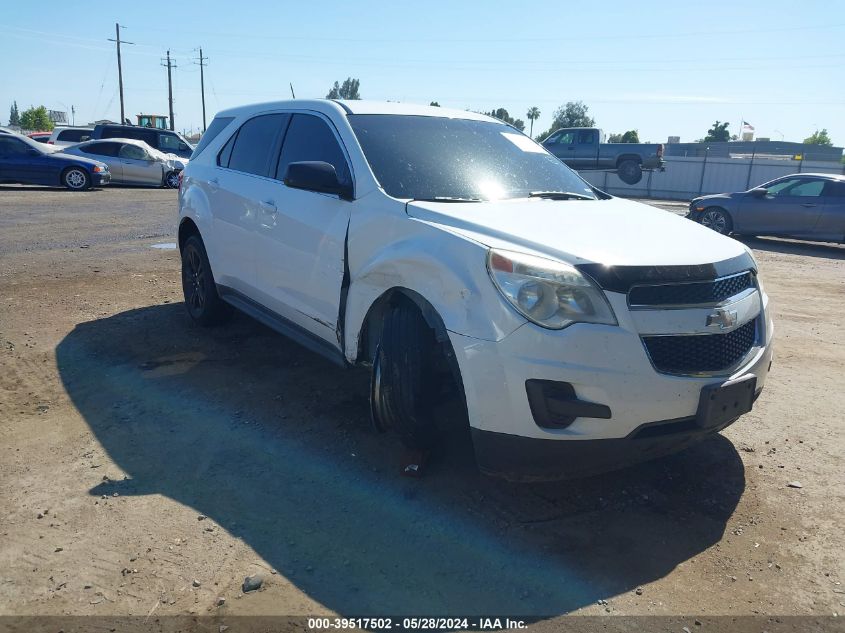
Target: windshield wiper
[
  {"x": 446, "y": 199},
  {"x": 560, "y": 195}
]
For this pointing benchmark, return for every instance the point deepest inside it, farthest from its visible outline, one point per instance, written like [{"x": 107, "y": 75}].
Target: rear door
[
  {"x": 831, "y": 224},
  {"x": 139, "y": 167},
  {"x": 106, "y": 152},
  {"x": 792, "y": 206},
  {"x": 302, "y": 234},
  {"x": 235, "y": 190}
]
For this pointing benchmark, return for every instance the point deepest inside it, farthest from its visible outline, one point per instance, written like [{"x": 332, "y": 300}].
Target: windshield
[{"x": 426, "y": 157}]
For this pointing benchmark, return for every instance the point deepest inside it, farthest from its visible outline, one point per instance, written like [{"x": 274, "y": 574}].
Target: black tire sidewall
[{"x": 629, "y": 172}]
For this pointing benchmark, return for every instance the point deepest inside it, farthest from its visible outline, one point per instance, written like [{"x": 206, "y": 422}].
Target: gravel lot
[{"x": 148, "y": 466}]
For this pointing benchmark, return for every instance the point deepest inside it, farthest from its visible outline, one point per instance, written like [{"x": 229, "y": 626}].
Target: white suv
[{"x": 451, "y": 253}]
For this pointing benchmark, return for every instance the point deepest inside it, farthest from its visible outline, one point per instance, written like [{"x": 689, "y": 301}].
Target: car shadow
[
  {"x": 44, "y": 188},
  {"x": 825, "y": 250},
  {"x": 274, "y": 444}
]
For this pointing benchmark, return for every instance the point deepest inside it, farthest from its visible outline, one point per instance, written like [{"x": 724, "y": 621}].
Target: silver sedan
[
  {"x": 132, "y": 162},
  {"x": 803, "y": 206}
]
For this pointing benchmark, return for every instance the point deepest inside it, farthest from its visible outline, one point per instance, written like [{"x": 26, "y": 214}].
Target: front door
[
  {"x": 562, "y": 145},
  {"x": 586, "y": 149},
  {"x": 300, "y": 256},
  {"x": 139, "y": 168},
  {"x": 792, "y": 206}
]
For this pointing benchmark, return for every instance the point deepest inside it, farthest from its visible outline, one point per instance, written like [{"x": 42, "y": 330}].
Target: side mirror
[
  {"x": 759, "y": 192},
  {"x": 316, "y": 176}
]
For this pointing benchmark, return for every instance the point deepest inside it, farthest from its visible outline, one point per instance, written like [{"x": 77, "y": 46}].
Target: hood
[
  {"x": 717, "y": 196},
  {"x": 79, "y": 160},
  {"x": 613, "y": 232}
]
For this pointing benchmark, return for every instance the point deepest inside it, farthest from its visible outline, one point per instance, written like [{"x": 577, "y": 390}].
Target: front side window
[
  {"x": 795, "y": 187},
  {"x": 168, "y": 142},
  {"x": 254, "y": 143},
  {"x": 11, "y": 147},
  {"x": 435, "y": 157},
  {"x": 309, "y": 138},
  {"x": 809, "y": 188},
  {"x": 133, "y": 152}
]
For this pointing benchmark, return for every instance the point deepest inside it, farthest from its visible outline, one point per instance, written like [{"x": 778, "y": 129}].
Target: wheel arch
[
  {"x": 187, "y": 228},
  {"x": 634, "y": 157},
  {"x": 368, "y": 333}
]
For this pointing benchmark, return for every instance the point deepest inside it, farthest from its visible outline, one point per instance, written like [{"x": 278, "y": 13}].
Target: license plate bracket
[{"x": 719, "y": 404}]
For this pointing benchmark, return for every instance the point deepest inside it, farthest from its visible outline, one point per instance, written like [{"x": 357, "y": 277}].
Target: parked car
[
  {"x": 133, "y": 162},
  {"x": 163, "y": 140},
  {"x": 804, "y": 206},
  {"x": 451, "y": 254},
  {"x": 584, "y": 149},
  {"x": 40, "y": 137},
  {"x": 62, "y": 136},
  {"x": 23, "y": 160}
]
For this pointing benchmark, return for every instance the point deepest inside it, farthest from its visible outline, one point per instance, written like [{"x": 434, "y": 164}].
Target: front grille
[
  {"x": 708, "y": 292},
  {"x": 700, "y": 353}
]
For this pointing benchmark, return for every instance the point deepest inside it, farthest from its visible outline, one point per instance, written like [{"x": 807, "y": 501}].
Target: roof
[
  {"x": 820, "y": 175},
  {"x": 357, "y": 106}
]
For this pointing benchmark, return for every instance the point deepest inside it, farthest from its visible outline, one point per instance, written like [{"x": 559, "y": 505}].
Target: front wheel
[
  {"x": 76, "y": 179},
  {"x": 172, "y": 179},
  {"x": 405, "y": 383},
  {"x": 717, "y": 219}
]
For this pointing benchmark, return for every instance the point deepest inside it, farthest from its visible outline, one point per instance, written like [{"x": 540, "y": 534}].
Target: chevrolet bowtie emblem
[{"x": 722, "y": 319}]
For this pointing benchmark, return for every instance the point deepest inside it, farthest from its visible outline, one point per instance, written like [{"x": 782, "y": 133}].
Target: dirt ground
[{"x": 148, "y": 466}]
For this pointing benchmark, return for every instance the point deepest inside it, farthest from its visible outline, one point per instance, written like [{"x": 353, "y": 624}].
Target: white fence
[{"x": 688, "y": 177}]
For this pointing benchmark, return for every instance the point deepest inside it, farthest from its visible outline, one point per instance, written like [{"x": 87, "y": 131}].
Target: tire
[
  {"x": 717, "y": 219},
  {"x": 405, "y": 384},
  {"x": 629, "y": 171},
  {"x": 204, "y": 305},
  {"x": 171, "y": 179},
  {"x": 76, "y": 179}
]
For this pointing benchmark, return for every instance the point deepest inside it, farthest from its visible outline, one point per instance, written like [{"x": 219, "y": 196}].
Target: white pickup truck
[{"x": 455, "y": 257}]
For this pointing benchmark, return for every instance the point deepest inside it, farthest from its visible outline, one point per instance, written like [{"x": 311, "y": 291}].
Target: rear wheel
[
  {"x": 406, "y": 384},
  {"x": 717, "y": 219},
  {"x": 204, "y": 305},
  {"x": 629, "y": 171},
  {"x": 76, "y": 179}
]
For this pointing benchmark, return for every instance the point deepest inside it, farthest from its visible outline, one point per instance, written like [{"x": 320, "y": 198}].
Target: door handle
[
  {"x": 268, "y": 206},
  {"x": 808, "y": 205}
]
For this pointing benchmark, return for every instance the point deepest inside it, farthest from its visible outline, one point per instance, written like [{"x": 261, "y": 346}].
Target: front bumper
[
  {"x": 101, "y": 178},
  {"x": 650, "y": 413}
]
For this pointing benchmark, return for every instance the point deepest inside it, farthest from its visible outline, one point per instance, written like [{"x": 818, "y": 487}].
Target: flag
[{"x": 747, "y": 126}]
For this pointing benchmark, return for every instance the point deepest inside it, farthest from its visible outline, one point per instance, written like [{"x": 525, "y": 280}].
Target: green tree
[
  {"x": 435, "y": 104},
  {"x": 532, "y": 115},
  {"x": 718, "y": 133},
  {"x": 14, "y": 114},
  {"x": 631, "y": 136},
  {"x": 570, "y": 114},
  {"x": 347, "y": 90},
  {"x": 36, "y": 119},
  {"x": 502, "y": 115},
  {"x": 819, "y": 137}
]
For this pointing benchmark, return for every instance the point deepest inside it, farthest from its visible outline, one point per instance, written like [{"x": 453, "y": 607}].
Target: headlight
[
  {"x": 98, "y": 169},
  {"x": 549, "y": 293}
]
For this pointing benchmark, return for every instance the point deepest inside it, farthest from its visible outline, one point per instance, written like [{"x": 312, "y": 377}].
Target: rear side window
[
  {"x": 74, "y": 136},
  {"x": 101, "y": 149},
  {"x": 211, "y": 133},
  {"x": 310, "y": 138},
  {"x": 255, "y": 142}
]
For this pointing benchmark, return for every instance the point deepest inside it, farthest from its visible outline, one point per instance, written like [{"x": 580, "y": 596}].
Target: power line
[{"x": 117, "y": 39}]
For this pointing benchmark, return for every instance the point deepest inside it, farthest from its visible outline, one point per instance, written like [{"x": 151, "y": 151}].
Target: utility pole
[
  {"x": 117, "y": 39},
  {"x": 292, "y": 94},
  {"x": 202, "y": 66},
  {"x": 170, "y": 65},
  {"x": 73, "y": 115}
]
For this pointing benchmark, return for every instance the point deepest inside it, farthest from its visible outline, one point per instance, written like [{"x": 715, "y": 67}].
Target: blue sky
[{"x": 664, "y": 68}]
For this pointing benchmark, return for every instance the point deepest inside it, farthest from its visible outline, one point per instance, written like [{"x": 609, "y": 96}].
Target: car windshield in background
[{"x": 434, "y": 158}]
